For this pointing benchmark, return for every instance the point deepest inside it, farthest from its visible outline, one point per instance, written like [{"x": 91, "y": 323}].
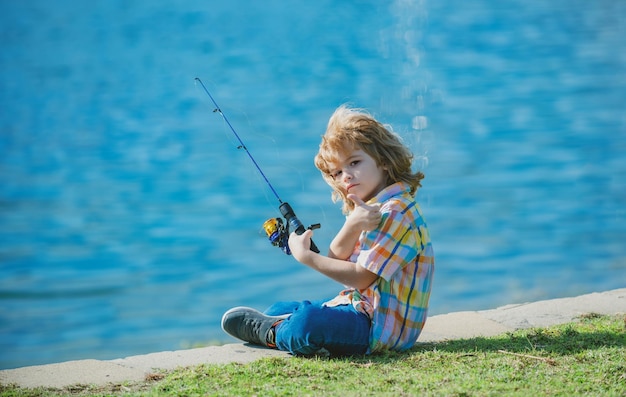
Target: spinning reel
[{"x": 277, "y": 231}]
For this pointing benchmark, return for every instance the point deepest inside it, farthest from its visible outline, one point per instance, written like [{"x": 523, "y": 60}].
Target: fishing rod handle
[{"x": 294, "y": 223}]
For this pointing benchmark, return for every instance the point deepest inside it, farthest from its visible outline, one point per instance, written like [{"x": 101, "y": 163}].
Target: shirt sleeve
[{"x": 388, "y": 249}]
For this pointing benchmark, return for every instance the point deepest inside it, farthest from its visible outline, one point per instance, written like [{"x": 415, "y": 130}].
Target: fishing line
[
  {"x": 277, "y": 232},
  {"x": 241, "y": 144}
]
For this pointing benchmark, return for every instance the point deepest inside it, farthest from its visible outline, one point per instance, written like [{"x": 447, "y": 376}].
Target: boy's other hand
[{"x": 364, "y": 217}]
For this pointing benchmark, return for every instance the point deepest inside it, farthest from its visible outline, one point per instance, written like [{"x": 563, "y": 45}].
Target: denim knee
[
  {"x": 340, "y": 330},
  {"x": 281, "y": 308}
]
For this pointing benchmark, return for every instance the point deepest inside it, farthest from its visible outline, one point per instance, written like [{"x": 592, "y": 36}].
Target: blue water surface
[{"x": 130, "y": 221}]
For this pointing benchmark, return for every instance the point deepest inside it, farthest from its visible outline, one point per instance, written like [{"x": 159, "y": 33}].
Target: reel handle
[{"x": 294, "y": 223}]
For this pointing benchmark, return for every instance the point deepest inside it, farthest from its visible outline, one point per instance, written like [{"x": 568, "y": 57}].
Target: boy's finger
[
  {"x": 356, "y": 199},
  {"x": 307, "y": 233},
  {"x": 360, "y": 203}
]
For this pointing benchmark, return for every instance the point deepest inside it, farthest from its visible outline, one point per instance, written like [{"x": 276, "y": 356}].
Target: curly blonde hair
[{"x": 351, "y": 129}]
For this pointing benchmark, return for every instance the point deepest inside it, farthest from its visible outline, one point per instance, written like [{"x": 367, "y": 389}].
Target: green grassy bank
[{"x": 586, "y": 357}]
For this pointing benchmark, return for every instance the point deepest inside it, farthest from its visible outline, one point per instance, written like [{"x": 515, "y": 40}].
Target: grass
[{"x": 586, "y": 357}]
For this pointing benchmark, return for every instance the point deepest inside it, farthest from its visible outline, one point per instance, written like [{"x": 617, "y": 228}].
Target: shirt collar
[{"x": 390, "y": 191}]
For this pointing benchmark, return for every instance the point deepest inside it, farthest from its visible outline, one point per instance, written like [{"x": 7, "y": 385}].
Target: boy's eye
[
  {"x": 335, "y": 174},
  {"x": 355, "y": 162}
]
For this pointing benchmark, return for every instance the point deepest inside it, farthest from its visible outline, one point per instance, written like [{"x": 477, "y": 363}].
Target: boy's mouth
[{"x": 350, "y": 186}]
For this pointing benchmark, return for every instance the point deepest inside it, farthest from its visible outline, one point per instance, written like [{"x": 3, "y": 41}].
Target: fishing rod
[{"x": 277, "y": 232}]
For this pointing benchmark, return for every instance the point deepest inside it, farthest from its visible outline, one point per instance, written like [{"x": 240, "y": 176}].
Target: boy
[{"x": 382, "y": 254}]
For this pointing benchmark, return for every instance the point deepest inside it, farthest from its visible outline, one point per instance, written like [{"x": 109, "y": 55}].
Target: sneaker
[{"x": 251, "y": 325}]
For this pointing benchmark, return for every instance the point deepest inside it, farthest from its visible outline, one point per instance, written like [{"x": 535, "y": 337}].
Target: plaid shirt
[{"x": 401, "y": 254}]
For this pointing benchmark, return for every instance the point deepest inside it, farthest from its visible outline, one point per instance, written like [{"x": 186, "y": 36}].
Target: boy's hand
[
  {"x": 364, "y": 217},
  {"x": 300, "y": 245}
]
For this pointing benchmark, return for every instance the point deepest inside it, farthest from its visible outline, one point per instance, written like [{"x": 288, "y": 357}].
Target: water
[{"x": 130, "y": 221}]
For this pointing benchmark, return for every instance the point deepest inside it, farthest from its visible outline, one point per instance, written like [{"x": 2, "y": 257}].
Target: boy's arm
[
  {"x": 345, "y": 272},
  {"x": 363, "y": 218},
  {"x": 343, "y": 244}
]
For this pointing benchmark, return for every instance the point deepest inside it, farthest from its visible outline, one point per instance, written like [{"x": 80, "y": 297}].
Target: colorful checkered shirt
[{"x": 401, "y": 254}]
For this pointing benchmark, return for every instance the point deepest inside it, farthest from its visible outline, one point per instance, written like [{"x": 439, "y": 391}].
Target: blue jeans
[{"x": 341, "y": 330}]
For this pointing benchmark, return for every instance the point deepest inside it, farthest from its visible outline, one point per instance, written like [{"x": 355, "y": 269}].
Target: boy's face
[{"x": 356, "y": 172}]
